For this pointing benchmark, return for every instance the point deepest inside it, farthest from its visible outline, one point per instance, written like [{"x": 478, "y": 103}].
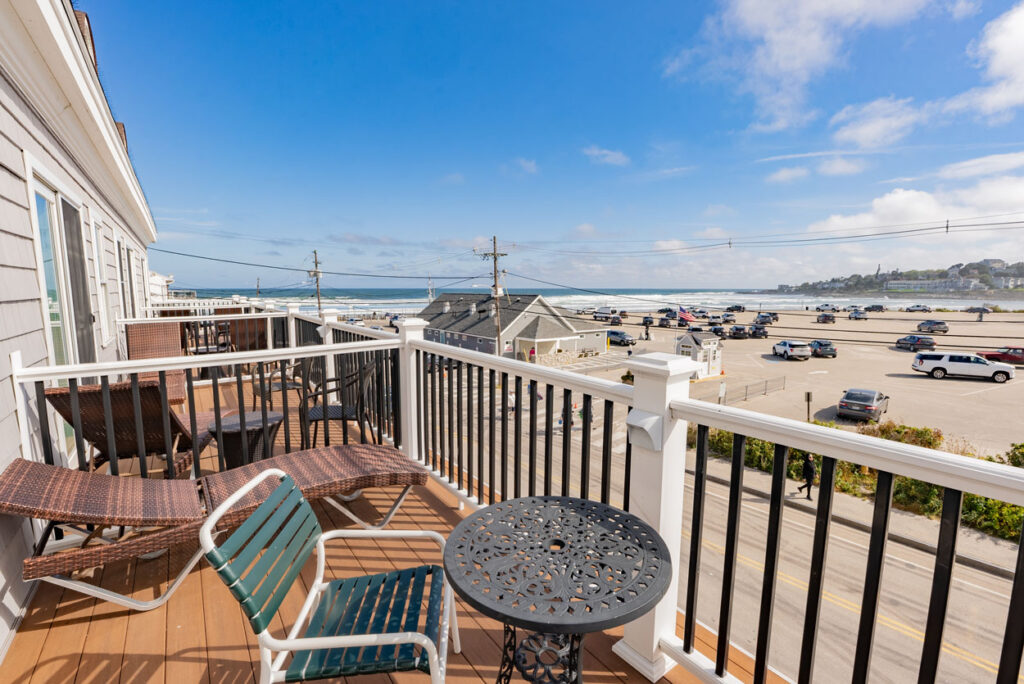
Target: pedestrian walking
[
  {"x": 809, "y": 473},
  {"x": 981, "y": 316}
]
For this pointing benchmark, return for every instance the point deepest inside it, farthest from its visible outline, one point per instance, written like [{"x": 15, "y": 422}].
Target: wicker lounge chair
[
  {"x": 164, "y": 513},
  {"x": 389, "y": 622},
  {"x": 125, "y": 435}
]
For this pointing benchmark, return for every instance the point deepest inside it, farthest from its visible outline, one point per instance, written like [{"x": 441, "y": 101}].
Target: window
[
  {"x": 125, "y": 311},
  {"x": 956, "y": 358},
  {"x": 132, "y": 301},
  {"x": 56, "y": 295},
  {"x": 102, "y": 286}
]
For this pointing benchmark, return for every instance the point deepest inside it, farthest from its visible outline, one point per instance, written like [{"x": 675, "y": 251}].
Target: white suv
[
  {"x": 940, "y": 364},
  {"x": 792, "y": 349},
  {"x": 827, "y": 307}
]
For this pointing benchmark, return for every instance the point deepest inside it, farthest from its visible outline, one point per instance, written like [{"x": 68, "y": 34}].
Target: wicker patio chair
[
  {"x": 157, "y": 341},
  {"x": 395, "y": 621},
  {"x": 122, "y": 406},
  {"x": 166, "y": 513}
]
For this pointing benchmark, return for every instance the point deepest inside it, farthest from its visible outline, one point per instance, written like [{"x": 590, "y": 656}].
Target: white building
[
  {"x": 74, "y": 225},
  {"x": 705, "y": 349}
]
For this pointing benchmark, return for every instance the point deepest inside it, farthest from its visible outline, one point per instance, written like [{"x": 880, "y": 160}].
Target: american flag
[{"x": 686, "y": 315}]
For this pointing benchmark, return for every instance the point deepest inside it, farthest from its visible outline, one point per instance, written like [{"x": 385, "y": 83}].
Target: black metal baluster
[
  {"x": 215, "y": 377},
  {"x": 140, "y": 437},
  {"x": 588, "y": 421},
  {"x": 567, "y": 417},
  {"x": 606, "y": 452},
  {"x": 306, "y": 367},
  {"x": 458, "y": 424},
  {"x": 700, "y": 476},
  {"x": 945, "y": 557},
  {"x": 378, "y": 386},
  {"x": 732, "y": 531},
  {"x": 243, "y": 434},
  {"x": 166, "y": 413},
  {"x": 480, "y": 434},
  {"x": 108, "y": 422},
  {"x": 44, "y": 423},
  {"x": 191, "y": 395},
  {"x": 549, "y": 429},
  {"x": 441, "y": 377},
  {"x": 433, "y": 362},
  {"x": 504, "y": 436},
  {"x": 284, "y": 407},
  {"x": 771, "y": 562},
  {"x": 819, "y": 549},
  {"x": 873, "y": 576},
  {"x": 532, "y": 453},
  {"x": 1013, "y": 636},
  {"x": 324, "y": 400},
  {"x": 469, "y": 429},
  {"x": 517, "y": 439},
  {"x": 451, "y": 421},
  {"x": 268, "y": 449},
  {"x": 395, "y": 400},
  {"x": 492, "y": 481},
  {"x": 628, "y": 474},
  {"x": 76, "y": 422}
]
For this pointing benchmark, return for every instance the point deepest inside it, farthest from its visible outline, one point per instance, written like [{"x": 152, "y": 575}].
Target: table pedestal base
[{"x": 543, "y": 658}]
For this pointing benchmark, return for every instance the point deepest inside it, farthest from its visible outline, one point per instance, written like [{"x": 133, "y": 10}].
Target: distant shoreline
[{"x": 967, "y": 295}]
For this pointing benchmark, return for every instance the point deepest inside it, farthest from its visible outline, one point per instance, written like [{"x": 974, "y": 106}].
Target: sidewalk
[{"x": 970, "y": 542}]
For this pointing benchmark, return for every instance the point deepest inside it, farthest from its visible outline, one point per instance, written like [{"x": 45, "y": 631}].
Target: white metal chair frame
[{"x": 272, "y": 667}]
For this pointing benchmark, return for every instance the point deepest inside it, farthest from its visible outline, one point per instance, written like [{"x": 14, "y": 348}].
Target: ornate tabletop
[{"x": 557, "y": 565}]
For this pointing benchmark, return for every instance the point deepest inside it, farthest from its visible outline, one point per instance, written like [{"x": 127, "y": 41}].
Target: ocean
[{"x": 361, "y": 301}]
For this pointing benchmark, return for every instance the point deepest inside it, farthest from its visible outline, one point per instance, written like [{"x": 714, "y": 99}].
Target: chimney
[
  {"x": 490, "y": 311},
  {"x": 123, "y": 133},
  {"x": 83, "y": 25},
  {"x": 472, "y": 308},
  {"x": 446, "y": 307}
]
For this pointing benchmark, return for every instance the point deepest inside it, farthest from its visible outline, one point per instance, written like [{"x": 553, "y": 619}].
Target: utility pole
[
  {"x": 494, "y": 255},
  {"x": 257, "y": 287},
  {"x": 316, "y": 273}
]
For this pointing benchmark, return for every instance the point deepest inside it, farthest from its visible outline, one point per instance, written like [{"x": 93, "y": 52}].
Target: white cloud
[
  {"x": 877, "y": 124},
  {"x": 787, "y": 174},
  {"x": 983, "y": 166},
  {"x": 778, "y": 48},
  {"x": 841, "y": 166},
  {"x": 527, "y": 165},
  {"x": 1000, "y": 52},
  {"x": 714, "y": 232},
  {"x": 453, "y": 179},
  {"x": 662, "y": 174},
  {"x": 599, "y": 155},
  {"x": 961, "y": 9},
  {"x": 718, "y": 210},
  {"x": 817, "y": 153}
]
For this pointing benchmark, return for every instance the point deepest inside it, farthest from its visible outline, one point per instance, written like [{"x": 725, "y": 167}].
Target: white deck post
[
  {"x": 409, "y": 329},
  {"x": 293, "y": 311},
  {"x": 656, "y": 486}
]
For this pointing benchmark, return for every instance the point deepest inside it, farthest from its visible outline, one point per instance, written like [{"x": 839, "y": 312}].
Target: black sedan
[
  {"x": 915, "y": 343},
  {"x": 823, "y": 348},
  {"x": 862, "y": 404},
  {"x": 758, "y": 331},
  {"x": 648, "y": 320},
  {"x": 719, "y": 330},
  {"x": 738, "y": 332},
  {"x": 736, "y": 308}
]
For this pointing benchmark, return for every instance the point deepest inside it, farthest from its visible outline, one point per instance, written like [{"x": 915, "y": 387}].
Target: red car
[{"x": 1006, "y": 355}]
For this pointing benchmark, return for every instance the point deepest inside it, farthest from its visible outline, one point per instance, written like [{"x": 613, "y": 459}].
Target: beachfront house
[
  {"x": 705, "y": 349},
  {"x": 469, "y": 320},
  {"x": 74, "y": 224}
]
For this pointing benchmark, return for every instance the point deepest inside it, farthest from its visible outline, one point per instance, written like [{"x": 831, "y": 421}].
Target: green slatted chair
[{"x": 388, "y": 622}]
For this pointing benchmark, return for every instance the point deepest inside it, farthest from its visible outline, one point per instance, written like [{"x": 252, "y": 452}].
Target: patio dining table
[{"x": 559, "y": 568}]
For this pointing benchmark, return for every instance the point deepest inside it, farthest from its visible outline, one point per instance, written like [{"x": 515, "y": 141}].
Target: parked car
[
  {"x": 921, "y": 308},
  {"x": 671, "y": 314},
  {"x": 933, "y": 327},
  {"x": 604, "y": 313},
  {"x": 792, "y": 349},
  {"x": 823, "y": 348},
  {"x": 664, "y": 322},
  {"x": 586, "y": 311},
  {"x": 621, "y": 338},
  {"x": 648, "y": 320},
  {"x": 1005, "y": 354},
  {"x": 736, "y": 308},
  {"x": 763, "y": 319},
  {"x": 852, "y": 307},
  {"x": 615, "y": 320},
  {"x": 874, "y": 308},
  {"x": 827, "y": 307},
  {"x": 696, "y": 328},
  {"x": 862, "y": 404},
  {"x": 700, "y": 313},
  {"x": 728, "y": 318},
  {"x": 665, "y": 310},
  {"x": 826, "y": 318},
  {"x": 915, "y": 342},
  {"x": 719, "y": 330},
  {"x": 758, "y": 330},
  {"x": 623, "y": 314},
  {"x": 858, "y": 315},
  {"x": 979, "y": 309},
  {"x": 775, "y": 316},
  {"x": 739, "y": 332},
  {"x": 939, "y": 365}
]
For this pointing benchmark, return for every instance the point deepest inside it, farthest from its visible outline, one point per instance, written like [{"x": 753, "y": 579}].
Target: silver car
[
  {"x": 862, "y": 404},
  {"x": 792, "y": 349}
]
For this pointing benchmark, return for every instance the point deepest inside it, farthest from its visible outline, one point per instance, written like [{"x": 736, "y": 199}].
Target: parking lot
[{"x": 985, "y": 415}]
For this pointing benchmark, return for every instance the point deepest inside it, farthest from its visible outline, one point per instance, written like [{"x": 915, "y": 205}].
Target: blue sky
[{"x": 395, "y": 137}]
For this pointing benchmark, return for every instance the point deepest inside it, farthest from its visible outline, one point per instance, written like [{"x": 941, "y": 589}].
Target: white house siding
[{"x": 44, "y": 131}]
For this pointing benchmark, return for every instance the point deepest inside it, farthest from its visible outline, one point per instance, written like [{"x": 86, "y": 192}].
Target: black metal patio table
[
  {"x": 559, "y": 568},
  {"x": 231, "y": 429}
]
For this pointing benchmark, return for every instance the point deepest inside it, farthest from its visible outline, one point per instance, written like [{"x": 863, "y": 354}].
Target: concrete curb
[{"x": 962, "y": 559}]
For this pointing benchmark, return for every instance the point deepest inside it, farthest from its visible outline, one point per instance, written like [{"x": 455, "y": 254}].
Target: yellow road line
[{"x": 883, "y": 620}]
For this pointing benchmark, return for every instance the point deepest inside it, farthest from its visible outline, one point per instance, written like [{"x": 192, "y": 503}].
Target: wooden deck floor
[{"x": 200, "y": 635}]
